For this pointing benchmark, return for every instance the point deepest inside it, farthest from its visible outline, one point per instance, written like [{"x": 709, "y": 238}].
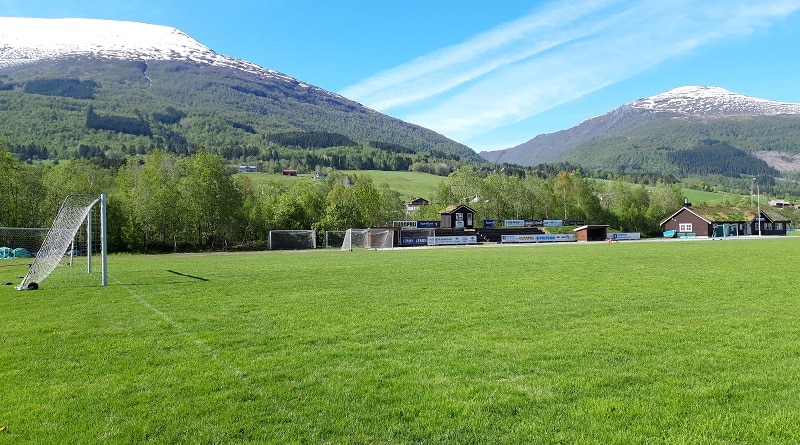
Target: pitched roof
[
  {"x": 714, "y": 214},
  {"x": 454, "y": 207}
]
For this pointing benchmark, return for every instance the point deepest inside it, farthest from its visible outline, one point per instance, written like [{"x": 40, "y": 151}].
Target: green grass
[
  {"x": 699, "y": 196},
  {"x": 683, "y": 342},
  {"x": 409, "y": 184}
]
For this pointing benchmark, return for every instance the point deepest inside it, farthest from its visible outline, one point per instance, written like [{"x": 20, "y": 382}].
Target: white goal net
[
  {"x": 292, "y": 239},
  {"x": 380, "y": 238},
  {"x": 61, "y": 235},
  {"x": 334, "y": 238},
  {"x": 354, "y": 239},
  {"x": 20, "y": 242}
]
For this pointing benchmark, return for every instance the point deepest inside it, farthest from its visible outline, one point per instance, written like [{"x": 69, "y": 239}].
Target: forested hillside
[
  {"x": 716, "y": 151},
  {"x": 106, "y": 110}
]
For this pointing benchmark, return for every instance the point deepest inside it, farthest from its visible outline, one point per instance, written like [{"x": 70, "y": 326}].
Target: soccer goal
[
  {"x": 380, "y": 238},
  {"x": 292, "y": 239},
  {"x": 354, "y": 239},
  {"x": 334, "y": 238},
  {"x": 76, "y": 210}
]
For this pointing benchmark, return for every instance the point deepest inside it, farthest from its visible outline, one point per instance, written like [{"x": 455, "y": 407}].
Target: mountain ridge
[{"x": 689, "y": 104}]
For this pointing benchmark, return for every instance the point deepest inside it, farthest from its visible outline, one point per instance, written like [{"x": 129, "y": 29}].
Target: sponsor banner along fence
[
  {"x": 409, "y": 241},
  {"x": 452, "y": 240},
  {"x": 542, "y": 238}
]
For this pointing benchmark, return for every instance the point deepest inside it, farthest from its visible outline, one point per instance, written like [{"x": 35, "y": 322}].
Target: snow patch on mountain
[
  {"x": 713, "y": 102},
  {"x": 29, "y": 40}
]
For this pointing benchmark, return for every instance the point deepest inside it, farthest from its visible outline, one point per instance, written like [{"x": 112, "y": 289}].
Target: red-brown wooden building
[{"x": 702, "y": 221}]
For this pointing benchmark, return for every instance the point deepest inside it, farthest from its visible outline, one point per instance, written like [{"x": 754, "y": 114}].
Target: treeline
[
  {"x": 193, "y": 202},
  {"x": 163, "y": 202}
]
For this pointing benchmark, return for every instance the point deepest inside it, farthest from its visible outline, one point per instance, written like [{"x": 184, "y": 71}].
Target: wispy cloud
[{"x": 552, "y": 56}]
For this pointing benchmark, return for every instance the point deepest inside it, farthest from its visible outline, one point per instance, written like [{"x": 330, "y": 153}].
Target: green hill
[{"x": 111, "y": 109}]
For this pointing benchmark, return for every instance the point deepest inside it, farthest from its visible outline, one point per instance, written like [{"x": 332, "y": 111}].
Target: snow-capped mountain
[
  {"x": 687, "y": 105},
  {"x": 710, "y": 101},
  {"x": 28, "y": 40},
  {"x": 141, "y": 81}
]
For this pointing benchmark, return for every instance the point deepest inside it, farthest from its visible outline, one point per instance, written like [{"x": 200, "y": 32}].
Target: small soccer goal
[
  {"x": 292, "y": 239},
  {"x": 60, "y": 241},
  {"x": 379, "y": 238},
  {"x": 373, "y": 238},
  {"x": 334, "y": 238},
  {"x": 354, "y": 239}
]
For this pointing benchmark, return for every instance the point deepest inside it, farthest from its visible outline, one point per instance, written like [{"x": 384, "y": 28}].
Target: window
[
  {"x": 779, "y": 226},
  {"x": 685, "y": 227}
]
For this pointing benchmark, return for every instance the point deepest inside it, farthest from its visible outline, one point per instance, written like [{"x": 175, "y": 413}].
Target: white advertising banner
[
  {"x": 538, "y": 238},
  {"x": 452, "y": 240},
  {"x": 552, "y": 223}
]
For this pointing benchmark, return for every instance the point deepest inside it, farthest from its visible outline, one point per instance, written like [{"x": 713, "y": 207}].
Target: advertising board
[
  {"x": 452, "y": 240},
  {"x": 408, "y": 241},
  {"x": 429, "y": 224},
  {"x": 542, "y": 238}
]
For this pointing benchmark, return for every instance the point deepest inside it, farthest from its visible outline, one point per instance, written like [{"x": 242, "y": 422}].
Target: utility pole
[{"x": 758, "y": 201}]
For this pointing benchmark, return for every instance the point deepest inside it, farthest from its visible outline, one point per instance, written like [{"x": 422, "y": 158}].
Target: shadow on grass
[{"x": 189, "y": 276}]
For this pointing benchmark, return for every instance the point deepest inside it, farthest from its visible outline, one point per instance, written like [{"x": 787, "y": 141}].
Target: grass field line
[{"x": 202, "y": 345}]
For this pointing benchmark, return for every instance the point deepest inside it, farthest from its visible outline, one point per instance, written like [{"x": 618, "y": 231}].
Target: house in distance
[{"x": 708, "y": 221}]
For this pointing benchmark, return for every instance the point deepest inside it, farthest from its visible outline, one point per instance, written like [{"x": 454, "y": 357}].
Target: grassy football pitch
[{"x": 669, "y": 342}]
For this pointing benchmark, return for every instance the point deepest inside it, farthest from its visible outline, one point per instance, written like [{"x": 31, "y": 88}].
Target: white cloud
[{"x": 553, "y": 56}]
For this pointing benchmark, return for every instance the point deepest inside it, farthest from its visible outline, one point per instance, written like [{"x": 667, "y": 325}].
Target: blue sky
[{"x": 490, "y": 75}]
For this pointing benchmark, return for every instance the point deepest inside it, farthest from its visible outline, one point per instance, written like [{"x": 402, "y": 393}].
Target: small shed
[
  {"x": 591, "y": 232},
  {"x": 289, "y": 172},
  {"x": 458, "y": 216}
]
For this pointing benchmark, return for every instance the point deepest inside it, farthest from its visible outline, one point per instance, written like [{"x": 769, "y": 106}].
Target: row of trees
[
  {"x": 194, "y": 202},
  {"x": 191, "y": 202}
]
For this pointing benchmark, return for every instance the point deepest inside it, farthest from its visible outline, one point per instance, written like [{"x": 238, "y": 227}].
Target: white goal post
[
  {"x": 380, "y": 238},
  {"x": 74, "y": 211},
  {"x": 354, "y": 239},
  {"x": 372, "y": 238}
]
